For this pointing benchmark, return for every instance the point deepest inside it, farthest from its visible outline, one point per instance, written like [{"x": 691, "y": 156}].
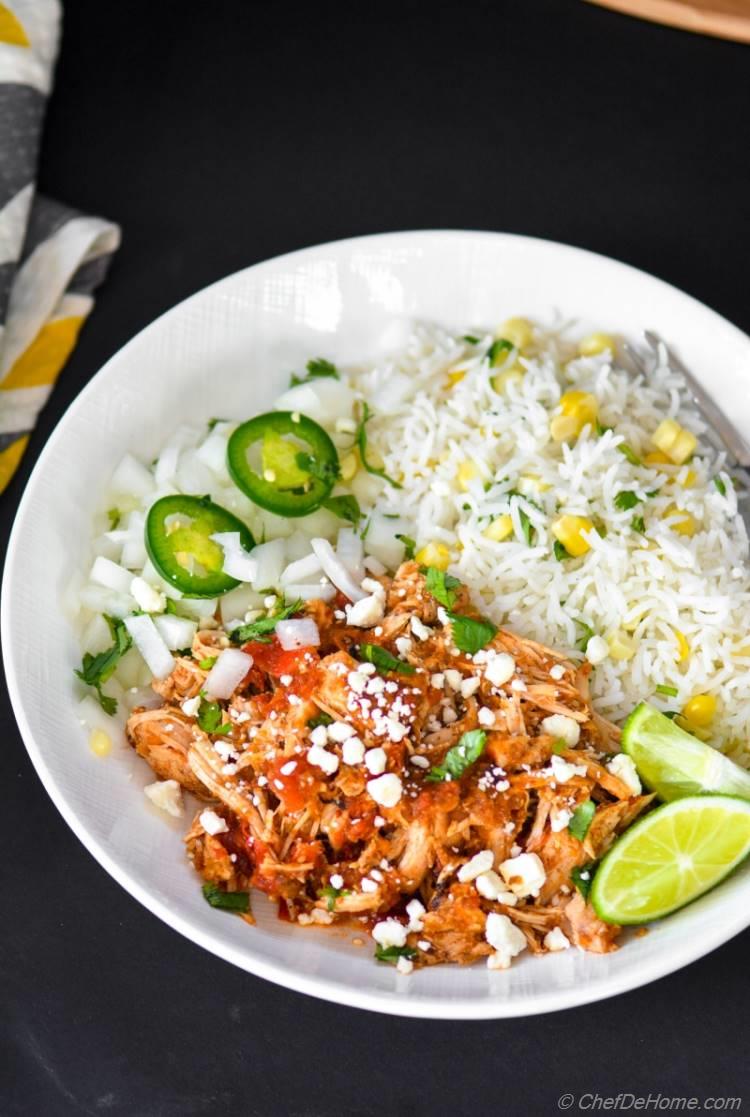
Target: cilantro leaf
[
  {"x": 460, "y": 758},
  {"x": 627, "y": 499},
  {"x": 560, "y": 552},
  {"x": 600, "y": 429},
  {"x": 317, "y": 368},
  {"x": 360, "y": 441},
  {"x": 95, "y": 670},
  {"x": 628, "y": 452},
  {"x": 668, "y": 691},
  {"x": 582, "y": 819},
  {"x": 319, "y": 719},
  {"x": 114, "y": 516},
  {"x": 410, "y": 545},
  {"x": 207, "y": 663},
  {"x": 720, "y": 486},
  {"x": 638, "y": 524},
  {"x": 583, "y": 877},
  {"x": 327, "y": 471},
  {"x": 210, "y": 716},
  {"x": 171, "y": 607},
  {"x": 383, "y": 660},
  {"x": 498, "y": 351},
  {"x": 212, "y": 423},
  {"x": 470, "y": 339},
  {"x": 259, "y": 630},
  {"x": 227, "y": 901},
  {"x": 332, "y": 894},
  {"x": 345, "y": 507},
  {"x": 526, "y": 525},
  {"x": 393, "y": 953},
  {"x": 586, "y": 633},
  {"x": 559, "y": 746},
  {"x": 469, "y": 634},
  {"x": 442, "y": 586}
]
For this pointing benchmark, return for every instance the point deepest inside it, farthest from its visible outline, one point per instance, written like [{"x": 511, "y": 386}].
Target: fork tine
[{"x": 635, "y": 358}]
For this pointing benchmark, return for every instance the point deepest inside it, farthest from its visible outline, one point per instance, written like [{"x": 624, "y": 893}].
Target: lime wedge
[
  {"x": 673, "y": 763},
  {"x": 671, "y": 857}
]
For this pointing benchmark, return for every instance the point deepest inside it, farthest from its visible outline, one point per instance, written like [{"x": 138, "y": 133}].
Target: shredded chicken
[{"x": 346, "y": 790}]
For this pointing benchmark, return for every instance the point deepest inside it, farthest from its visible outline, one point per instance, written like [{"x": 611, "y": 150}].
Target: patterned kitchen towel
[{"x": 52, "y": 258}]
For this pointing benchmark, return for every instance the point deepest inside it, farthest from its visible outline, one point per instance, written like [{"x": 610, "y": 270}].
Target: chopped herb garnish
[
  {"x": 326, "y": 471},
  {"x": 582, "y": 819},
  {"x": 671, "y": 714},
  {"x": 171, "y": 607},
  {"x": 600, "y": 429},
  {"x": 470, "y": 339},
  {"x": 498, "y": 351},
  {"x": 668, "y": 691},
  {"x": 721, "y": 487},
  {"x": 209, "y": 717},
  {"x": 332, "y": 894},
  {"x": 628, "y": 452},
  {"x": 527, "y": 527},
  {"x": 460, "y": 758},
  {"x": 227, "y": 901},
  {"x": 317, "y": 368},
  {"x": 360, "y": 441},
  {"x": 319, "y": 719},
  {"x": 366, "y": 529},
  {"x": 583, "y": 878},
  {"x": 212, "y": 423},
  {"x": 207, "y": 663},
  {"x": 95, "y": 670},
  {"x": 638, "y": 524},
  {"x": 410, "y": 545},
  {"x": 114, "y": 516},
  {"x": 442, "y": 586},
  {"x": 627, "y": 499},
  {"x": 383, "y": 660},
  {"x": 560, "y": 552},
  {"x": 469, "y": 634},
  {"x": 259, "y": 630},
  {"x": 345, "y": 507},
  {"x": 393, "y": 953},
  {"x": 559, "y": 746},
  {"x": 586, "y": 633}
]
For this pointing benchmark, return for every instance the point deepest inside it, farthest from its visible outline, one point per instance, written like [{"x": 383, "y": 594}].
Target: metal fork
[{"x": 723, "y": 429}]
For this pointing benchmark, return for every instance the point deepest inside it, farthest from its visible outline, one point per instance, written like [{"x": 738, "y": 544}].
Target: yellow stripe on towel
[
  {"x": 9, "y": 459},
  {"x": 41, "y": 362},
  {"x": 11, "y": 29}
]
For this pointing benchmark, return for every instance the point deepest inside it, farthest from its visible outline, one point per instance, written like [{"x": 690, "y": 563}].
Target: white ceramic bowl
[{"x": 227, "y": 351}]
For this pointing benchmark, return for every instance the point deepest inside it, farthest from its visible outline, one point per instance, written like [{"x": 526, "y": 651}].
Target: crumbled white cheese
[
  {"x": 423, "y": 944},
  {"x": 523, "y": 874},
  {"x": 212, "y": 822},
  {"x": 147, "y": 598},
  {"x": 371, "y": 585},
  {"x": 470, "y": 686},
  {"x": 597, "y": 650},
  {"x": 166, "y": 795},
  {"x": 505, "y": 938},
  {"x": 500, "y": 668},
  {"x": 319, "y": 735},
  {"x": 365, "y": 613},
  {"x": 375, "y": 761},
  {"x": 563, "y": 728},
  {"x": 556, "y": 672},
  {"x": 419, "y": 761},
  {"x": 491, "y": 886},
  {"x": 437, "y": 680},
  {"x": 288, "y": 768},
  {"x": 556, "y": 939},
  {"x": 559, "y": 819},
  {"x": 415, "y": 909},
  {"x": 352, "y": 751},
  {"x": 404, "y": 965},
  {"x": 562, "y": 771},
  {"x": 420, "y": 630},
  {"x": 453, "y": 678},
  {"x": 321, "y": 758},
  {"x": 340, "y": 731},
  {"x": 191, "y": 706},
  {"x": 403, "y": 645},
  {"x": 385, "y": 790},
  {"x": 357, "y": 680},
  {"x": 389, "y": 932},
  {"x": 486, "y": 716},
  {"x": 623, "y": 767},
  {"x": 336, "y": 881},
  {"x": 285, "y": 680},
  {"x": 476, "y": 865},
  {"x": 368, "y": 885}
]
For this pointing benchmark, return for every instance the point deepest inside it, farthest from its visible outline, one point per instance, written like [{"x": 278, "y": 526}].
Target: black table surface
[{"x": 219, "y": 135}]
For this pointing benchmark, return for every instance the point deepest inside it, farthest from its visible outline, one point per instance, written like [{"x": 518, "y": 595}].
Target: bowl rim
[{"x": 387, "y": 1002}]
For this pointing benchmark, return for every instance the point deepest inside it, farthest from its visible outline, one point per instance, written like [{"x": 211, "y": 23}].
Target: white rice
[{"x": 424, "y": 427}]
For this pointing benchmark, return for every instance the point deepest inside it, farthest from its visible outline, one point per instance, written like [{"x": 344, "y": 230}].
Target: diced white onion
[
  {"x": 151, "y": 575},
  {"x": 334, "y": 569},
  {"x": 227, "y": 673},
  {"x": 132, "y": 478},
  {"x": 192, "y": 475},
  {"x": 93, "y": 716},
  {"x": 96, "y": 636},
  {"x": 203, "y": 608},
  {"x": 299, "y": 633},
  {"x": 324, "y": 400},
  {"x": 396, "y": 388},
  {"x": 351, "y": 551},
  {"x": 238, "y": 562},
  {"x": 310, "y": 591},
  {"x": 270, "y": 558},
  {"x": 150, "y": 644},
  {"x": 234, "y": 605},
  {"x": 176, "y": 632},
  {"x": 166, "y": 465},
  {"x": 307, "y": 567},
  {"x": 381, "y": 539},
  {"x": 213, "y": 452},
  {"x": 110, "y": 575},
  {"x": 112, "y": 602}
]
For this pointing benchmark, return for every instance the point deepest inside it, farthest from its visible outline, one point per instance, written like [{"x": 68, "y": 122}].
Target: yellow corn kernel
[
  {"x": 434, "y": 554},
  {"x": 744, "y": 651},
  {"x": 576, "y": 410},
  {"x": 501, "y": 380},
  {"x": 530, "y": 483},
  {"x": 683, "y": 648},
  {"x": 456, "y": 377},
  {"x": 689, "y": 479},
  {"x": 686, "y": 525},
  {"x": 621, "y": 646},
  {"x": 564, "y": 427},
  {"x": 656, "y": 457},
  {"x": 100, "y": 743},
  {"x": 349, "y": 466},
  {"x": 700, "y": 710},
  {"x": 500, "y": 528},
  {"x": 594, "y": 344},
  {"x": 466, "y": 473},
  {"x": 674, "y": 441},
  {"x": 518, "y": 331},
  {"x": 568, "y": 530}
]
